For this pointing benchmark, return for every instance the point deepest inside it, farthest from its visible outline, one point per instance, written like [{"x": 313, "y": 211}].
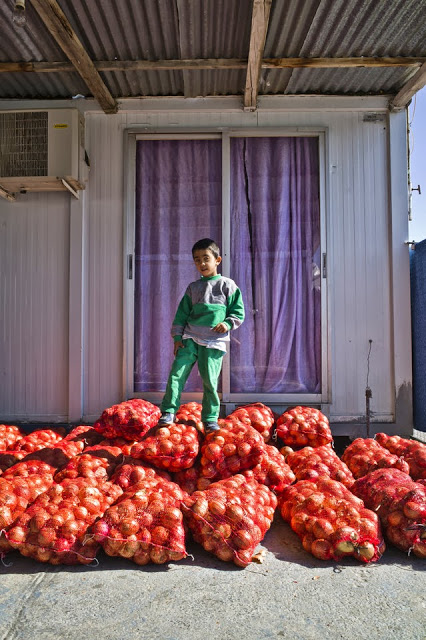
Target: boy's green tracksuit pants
[{"x": 209, "y": 366}]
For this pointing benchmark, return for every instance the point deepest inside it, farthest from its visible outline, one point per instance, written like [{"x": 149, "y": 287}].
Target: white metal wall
[
  {"x": 359, "y": 228},
  {"x": 34, "y": 255}
]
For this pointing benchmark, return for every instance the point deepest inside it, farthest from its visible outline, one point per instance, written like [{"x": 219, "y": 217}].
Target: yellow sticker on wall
[{"x": 60, "y": 126}]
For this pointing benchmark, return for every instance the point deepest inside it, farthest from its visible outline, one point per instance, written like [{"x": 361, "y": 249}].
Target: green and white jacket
[{"x": 207, "y": 302}]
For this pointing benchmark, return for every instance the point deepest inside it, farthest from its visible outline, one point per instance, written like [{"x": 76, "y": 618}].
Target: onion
[{"x": 321, "y": 549}]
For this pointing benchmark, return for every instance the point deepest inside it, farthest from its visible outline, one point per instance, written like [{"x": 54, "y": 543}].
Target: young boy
[{"x": 210, "y": 308}]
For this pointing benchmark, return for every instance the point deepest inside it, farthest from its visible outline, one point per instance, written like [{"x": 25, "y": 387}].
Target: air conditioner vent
[{"x": 24, "y": 144}]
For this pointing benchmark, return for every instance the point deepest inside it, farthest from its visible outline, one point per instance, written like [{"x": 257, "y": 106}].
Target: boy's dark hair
[{"x": 207, "y": 243}]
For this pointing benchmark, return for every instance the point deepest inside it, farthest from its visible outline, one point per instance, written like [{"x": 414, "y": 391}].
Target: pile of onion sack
[{"x": 139, "y": 490}]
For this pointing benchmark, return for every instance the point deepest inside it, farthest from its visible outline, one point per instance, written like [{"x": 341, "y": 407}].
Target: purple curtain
[
  {"x": 275, "y": 250},
  {"x": 178, "y": 201}
]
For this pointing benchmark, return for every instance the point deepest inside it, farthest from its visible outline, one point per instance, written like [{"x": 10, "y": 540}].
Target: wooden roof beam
[
  {"x": 403, "y": 97},
  {"x": 60, "y": 28},
  {"x": 259, "y": 28},
  {"x": 212, "y": 63}
]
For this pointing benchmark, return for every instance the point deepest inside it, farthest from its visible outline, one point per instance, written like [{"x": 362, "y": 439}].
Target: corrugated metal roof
[{"x": 188, "y": 29}]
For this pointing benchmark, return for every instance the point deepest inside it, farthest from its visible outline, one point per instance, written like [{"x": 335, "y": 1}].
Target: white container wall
[
  {"x": 36, "y": 363},
  {"x": 34, "y": 291}
]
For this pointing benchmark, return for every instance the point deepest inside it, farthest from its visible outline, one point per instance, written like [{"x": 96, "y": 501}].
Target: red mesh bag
[
  {"x": 187, "y": 479},
  {"x": 364, "y": 455},
  {"x": 131, "y": 419},
  {"x": 38, "y": 440},
  {"x": 172, "y": 448},
  {"x": 230, "y": 517},
  {"x": 331, "y": 521},
  {"x": 94, "y": 462},
  {"x": 145, "y": 525},
  {"x": 235, "y": 422},
  {"x": 227, "y": 452},
  {"x": 85, "y": 434},
  {"x": 54, "y": 528},
  {"x": 29, "y": 467},
  {"x": 400, "y": 504},
  {"x": 132, "y": 472},
  {"x": 58, "y": 455},
  {"x": 16, "y": 494},
  {"x": 413, "y": 452},
  {"x": 121, "y": 443},
  {"x": 311, "y": 463},
  {"x": 9, "y": 436},
  {"x": 272, "y": 470},
  {"x": 190, "y": 413},
  {"x": 259, "y": 416},
  {"x": 302, "y": 427},
  {"x": 9, "y": 458}
]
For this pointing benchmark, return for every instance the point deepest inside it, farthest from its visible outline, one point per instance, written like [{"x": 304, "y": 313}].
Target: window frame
[{"x": 135, "y": 134}]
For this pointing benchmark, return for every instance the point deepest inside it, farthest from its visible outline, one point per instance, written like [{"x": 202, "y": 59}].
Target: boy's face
[{"x": 206, "y": 263}]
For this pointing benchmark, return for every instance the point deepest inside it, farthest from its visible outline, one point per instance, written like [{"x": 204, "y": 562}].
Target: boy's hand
[
  {"x": 221, "y": 328},
  {"x": 176, "y": 346}
]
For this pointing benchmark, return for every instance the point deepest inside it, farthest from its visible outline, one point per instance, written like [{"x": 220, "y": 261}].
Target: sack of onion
[
  {"x": 302, "y": 427},
  {"x": 230, "y": 517},
  {"x": 146, "y": 524},
  {"x": 131, "y": 419},
  {"x": 17, "y": 492},
  {"x": 412, "y": 451},
  {"x": 190, "y": 413},
  {"x": 258, "y": 416},
  {"x": 94, "y": 462},
  {"x": 172, "y": 448},
  {"x": 132, "y": 471},
  {"x": 331, "y": 521},
  {"x": 54, "y": 528},
  {"x": 400, "y": 504},
  {"x": 38, "y": 439},
  {"x": 311, "y": 463},
  {"x": 364, "y": 455},
  {"x": 230, "y": 451},
  {"x": 9, "y": 436},
  {"x": 272, "y": 470}
]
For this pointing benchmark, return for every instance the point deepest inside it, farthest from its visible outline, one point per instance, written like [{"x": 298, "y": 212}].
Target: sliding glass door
[{"x": 263, "y": 206}]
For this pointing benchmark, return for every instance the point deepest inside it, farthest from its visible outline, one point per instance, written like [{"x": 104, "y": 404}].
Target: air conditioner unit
[{"x": 39, "y": 150}]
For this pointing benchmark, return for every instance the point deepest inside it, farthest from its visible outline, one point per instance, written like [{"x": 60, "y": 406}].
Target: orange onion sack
[
  {"x": 302, "y": 427},
  {"x": 146, "y": 524},
  {"x": 190, "y": 413},
  {"x": 413, "y": 452},
  {"x": 400, "y": 504},
  {"x": 258, "y": 416},
  {"x": 272, "y": 470},
  {"x": 9, "y": 436},
  {"x": 131, "y": 419},
  {"x": 16, "y": 494},
  {"x": 54, "y": 528},
  {"x": 229, "y": 451},
  {"x": 38, "y": 439},
  {"x": 364, "y": 455},
  {"x": 173, "y": 447},
  {"x": 331, "y": 522},
  {"x": 311, "y": 463},
  {"x": 94, "y": 462},
  {"x": 230, "y": 517},
  {"x": 131, "y": 472}
]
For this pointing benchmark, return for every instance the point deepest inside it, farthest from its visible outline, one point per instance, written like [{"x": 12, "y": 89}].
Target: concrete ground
[{"x": 291, "y": 595}]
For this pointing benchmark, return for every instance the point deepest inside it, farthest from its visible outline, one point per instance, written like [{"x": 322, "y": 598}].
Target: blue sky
[{"x": 417, "y": 118}]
